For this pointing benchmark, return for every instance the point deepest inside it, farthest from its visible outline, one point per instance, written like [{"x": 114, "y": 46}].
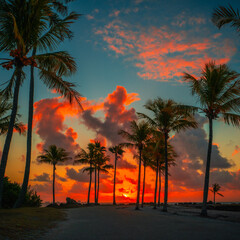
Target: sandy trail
[{"x": 108, "y": 222}]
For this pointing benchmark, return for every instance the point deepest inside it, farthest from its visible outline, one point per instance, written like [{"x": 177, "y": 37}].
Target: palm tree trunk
[
  {"x": 214, "y": 197},
  {"x": 10, "y": 131},
  {"x": 22, "y": 194},
  {"x": 166, "y": 174},
  {"x": 207, "y": 173},
  {"x": 114, "y": 181},
  {"x": 90, "y": 182},
  {"x": 159, "y": 187},
  {"x": 139, "y": 179},
  {"x": 144, "y": 173},
  {"x": 156, "y": 183},
  {"x": 95, "y": 185},
  {"x": 54, "y": 168},
  {"x": 98, "y": 187}
]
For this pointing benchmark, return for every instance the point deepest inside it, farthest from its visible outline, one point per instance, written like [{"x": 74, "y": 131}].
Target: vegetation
[
  {"x": 226, "y": 15},
  {"x": 5, "y": 106},
  {"x": 215, "y": 189},
  {"x": 11, "y": 191},
  {"x": 168, "y": 117},
  {"x": 54, "y": 155},
  {"x": 117, "y": 151},
  {"x": 84, "y": 157},
  {"x": 138, "y": 137},
  {"x": 27, "y": 26},
  {"x": 217, "y": 91}
]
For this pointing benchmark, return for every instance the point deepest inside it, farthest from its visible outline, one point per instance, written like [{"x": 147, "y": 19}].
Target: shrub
[{"x": 11, "y": 191}]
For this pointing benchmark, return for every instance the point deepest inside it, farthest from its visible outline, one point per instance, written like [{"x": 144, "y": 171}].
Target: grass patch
[{"x": 25, "y": 223}]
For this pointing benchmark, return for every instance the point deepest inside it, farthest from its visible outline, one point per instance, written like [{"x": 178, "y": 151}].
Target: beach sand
[{"x": 123, "y": 222}]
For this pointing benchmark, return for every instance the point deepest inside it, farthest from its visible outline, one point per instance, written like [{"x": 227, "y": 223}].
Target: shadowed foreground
[{"x": 108, "y": 222}]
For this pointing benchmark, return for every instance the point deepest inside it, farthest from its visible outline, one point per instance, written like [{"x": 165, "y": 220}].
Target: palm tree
[
  {"x": 117, "y": 151},
  {"x": 147, "y": 161},
  {"x": 217, "y": 91},
  {"x": 102, "y": 166},
  {"x": 99, "y": 152},
  {"x": 36, "y": 26},
  {"x": 157, "y": 150},
  {"x": 84, "y": 157},
  {"x": 167, "y": 118},
  {"x": 53, "y": 155},
  {"x": 138, "y": 137},
  {"x": 224, "y": 15},
  {"x": 5, "y": 106},
  {"x": 215, "y": 189}
]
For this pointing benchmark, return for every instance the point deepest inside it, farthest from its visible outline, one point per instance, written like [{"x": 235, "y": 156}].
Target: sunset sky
[{"x": 129, "y": 51}]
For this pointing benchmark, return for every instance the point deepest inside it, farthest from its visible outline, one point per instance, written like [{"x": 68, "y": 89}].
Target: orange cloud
[
  {"x": 162, "y": 53},
  {"x": 236, "y": 150}
]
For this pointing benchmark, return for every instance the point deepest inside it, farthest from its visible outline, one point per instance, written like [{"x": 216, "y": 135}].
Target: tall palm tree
[
  {"x": 138, "y": 137},
  {"x": 102, "y": 166},
  {"x": 99, "y": 152},
  {"x": 218, "y": 93},
  {"x": 53, "y": 155},
  {"x": 35, "y": 26},
  {"x": 5, "y": 106},
  {"x": 167, "y": 117},
  {"x": 158, "y": 152},
  {"x": 226, "y": 15},
  {"x": 84, "y": 157},
  {"x": 117, "y": 151},
  {"x": 215, "y": 189}
]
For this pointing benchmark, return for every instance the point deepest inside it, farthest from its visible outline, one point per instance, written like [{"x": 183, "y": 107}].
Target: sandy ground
[{"x": 108, "y": 222}]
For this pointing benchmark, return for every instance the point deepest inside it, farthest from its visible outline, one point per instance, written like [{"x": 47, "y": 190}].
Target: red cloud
[
  {"x": 131, "y": 180},
  {"x": 49, "y": 119},
  {"x": 161, "y": 53}
]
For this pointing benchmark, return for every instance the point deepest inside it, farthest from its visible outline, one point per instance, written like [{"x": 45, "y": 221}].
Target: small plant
[{"x": 11, "y": 191}]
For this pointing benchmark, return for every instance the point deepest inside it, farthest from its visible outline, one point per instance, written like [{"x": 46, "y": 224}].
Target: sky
[{"x": 128, "y": 52}]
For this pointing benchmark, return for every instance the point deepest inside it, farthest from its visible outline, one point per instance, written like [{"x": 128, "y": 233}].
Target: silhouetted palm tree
[
  {"x": 53, "y": 155},
  {"x": 167, "y": 117},
  {"x": 117, "y": 151},
  {"x": 138, "y": 137},
  {"x": 215, "y": 189},
  {"x": 102, "y": 166},
  {"x": 99, "y": 152},
  {"x": 218, "y": 93},
  {"x": 23, "y": 29},
  {"x": 5, "y": 106},
  {"x": 226, "y": 15},
  {"x": 84, "y": 157}
]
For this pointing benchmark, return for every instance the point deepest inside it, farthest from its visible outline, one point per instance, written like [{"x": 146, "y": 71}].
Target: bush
[{"x": 11, "y": 191}]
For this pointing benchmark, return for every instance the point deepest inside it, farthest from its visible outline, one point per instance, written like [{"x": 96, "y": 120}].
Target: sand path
[{"x": 108, "y": 222}]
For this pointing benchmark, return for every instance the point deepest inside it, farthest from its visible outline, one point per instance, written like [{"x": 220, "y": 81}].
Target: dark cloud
[
  {"x": 116, "y": 115},
  {"x": 47, "y": 187},
  {"x": 191, "y": 147},
  {"x": 44, "y": 177},
  {"x": 124, "y": 164},
  {"x": 78, "y": 176}
]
